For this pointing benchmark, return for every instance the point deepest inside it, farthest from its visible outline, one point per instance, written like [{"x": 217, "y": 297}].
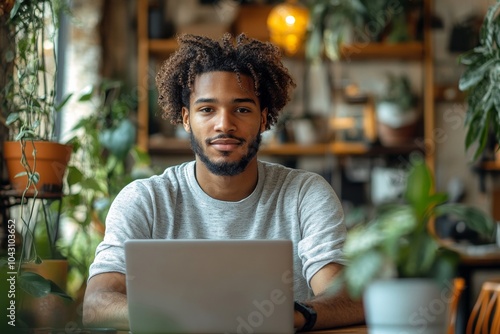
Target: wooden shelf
[
  {"x": 357, "y": 51},
  {"x": 343, "y": 148},
  {"x": 449, "y": 93},
  {"x": 162, "y": 47},
  {"x": 292, "y": 149},
  {"x": 491, "y": 165},
  {"x": 169, "y": 146},
  {"x": 334, "y": 148},
  {"x": 397, "y": 51}
]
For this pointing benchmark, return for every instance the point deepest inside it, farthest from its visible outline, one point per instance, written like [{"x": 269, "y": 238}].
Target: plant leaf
[
  {"x": 34, "y": 284},
  {"x": 445, "y": 266},
  {"x": 35, "y": 177},
  {"x": 362, "y": 270},
  {"x": 15, "y": 8},
  {"x": 473, "y": 217},
  {"x": 21, "y": 174},
  {"x": 487, "y": 29},
  {"x": 13, "y": 117},
  {"x": 56, "y": 290},
  {"x": 63, "y": 102},
  {"x": 472, "y": 131},
  {"x": 74, "y": 175},
  {"x": 91, "y": 183},
  {"x": 86, "y": 94},
  {"x": 419, "y": 256},
  {"x": 418, "y": 186},
  {"x": 361, "y": 239},
  {"x": 472, "y": 56},
  {"x": 474, "y": 73},
  {"x": 483, "y": 136}
]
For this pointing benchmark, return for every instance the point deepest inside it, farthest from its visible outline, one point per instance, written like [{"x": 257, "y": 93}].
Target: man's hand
[
  {"x": 298, "y": 320},
  {"x": 333, "y": 310},
  {"x": 105, "y": 303}
]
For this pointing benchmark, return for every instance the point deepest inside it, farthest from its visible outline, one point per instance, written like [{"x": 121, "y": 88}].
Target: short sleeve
[
  {"x": 130, "y": 217},
  {"x": 322, "y": 226}
]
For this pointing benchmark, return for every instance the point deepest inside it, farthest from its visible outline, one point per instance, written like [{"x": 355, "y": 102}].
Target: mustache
[{"x": 224, "y": 136}]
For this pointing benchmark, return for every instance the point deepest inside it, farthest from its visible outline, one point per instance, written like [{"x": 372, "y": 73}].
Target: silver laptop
[{"x": 210, "y": 286}]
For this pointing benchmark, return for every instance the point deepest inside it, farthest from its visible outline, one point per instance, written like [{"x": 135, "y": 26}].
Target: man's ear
[
  {"x": 263, "y": 120},
  {"x": 185, "y": 119}
]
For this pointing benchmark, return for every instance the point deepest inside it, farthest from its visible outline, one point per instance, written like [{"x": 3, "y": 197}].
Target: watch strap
[{"x": 309, "y": 314}]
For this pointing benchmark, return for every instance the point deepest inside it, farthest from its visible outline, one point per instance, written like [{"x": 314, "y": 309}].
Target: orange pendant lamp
[{"x": 287, "y": 24}]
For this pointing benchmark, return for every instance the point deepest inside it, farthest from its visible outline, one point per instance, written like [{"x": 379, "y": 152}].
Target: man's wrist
[
  {"x": 308, "y": 314},
  {"x": 298, "y": 320}
]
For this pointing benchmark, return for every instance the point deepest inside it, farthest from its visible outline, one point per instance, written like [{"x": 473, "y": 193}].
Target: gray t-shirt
[{"x": 286, "y": 204}]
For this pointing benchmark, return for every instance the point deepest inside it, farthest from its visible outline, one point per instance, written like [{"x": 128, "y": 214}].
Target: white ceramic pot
[
  {"x": 407, "y": 306},
  {"x": 391, "y": 114},
  {"x": 304, "y": 132}
]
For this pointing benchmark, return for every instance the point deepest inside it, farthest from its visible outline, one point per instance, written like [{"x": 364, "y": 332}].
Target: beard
[{"x": 226, "y": 168}]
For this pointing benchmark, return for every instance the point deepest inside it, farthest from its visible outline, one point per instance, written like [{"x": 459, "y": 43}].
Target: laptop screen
[{"x": 210, "y": 286}]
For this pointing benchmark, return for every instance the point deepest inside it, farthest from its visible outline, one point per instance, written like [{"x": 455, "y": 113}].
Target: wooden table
[{"x": 344, "y": 330}]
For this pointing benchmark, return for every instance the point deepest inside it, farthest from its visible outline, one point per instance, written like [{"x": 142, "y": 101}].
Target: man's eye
[
  {"x": 242, "y": 110},
  {"x": 206, "y": 109}
]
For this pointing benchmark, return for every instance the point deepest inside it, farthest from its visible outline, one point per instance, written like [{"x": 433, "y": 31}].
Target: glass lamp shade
[{"x": 287, "y": 24}]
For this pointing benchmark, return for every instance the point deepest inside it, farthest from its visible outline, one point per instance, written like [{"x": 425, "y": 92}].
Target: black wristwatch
[{"x": 309, "y": 314}]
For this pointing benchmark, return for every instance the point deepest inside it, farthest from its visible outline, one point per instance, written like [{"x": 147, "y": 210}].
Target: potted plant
[
  {"x": 481, "y": 81},
  {"x": 399, "y": 255},
  {"x": 396, "y": 112},
  {"x": 29, "y": 108},
  {"x": 331, "y": 24},
  {"x": 29, "y": 100}
]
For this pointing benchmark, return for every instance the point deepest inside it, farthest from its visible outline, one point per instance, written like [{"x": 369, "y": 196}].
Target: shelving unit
[{"x": 411, "y": 51}]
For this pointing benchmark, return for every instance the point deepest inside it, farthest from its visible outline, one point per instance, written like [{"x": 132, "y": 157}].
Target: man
[{"x": 226, "y": 94}]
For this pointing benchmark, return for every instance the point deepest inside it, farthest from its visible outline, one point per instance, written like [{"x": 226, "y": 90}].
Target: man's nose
[{"x": 225, "y": 121}]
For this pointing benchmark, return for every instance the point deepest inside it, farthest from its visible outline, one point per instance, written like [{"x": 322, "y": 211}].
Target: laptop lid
[{"x": 210, "y": 286}]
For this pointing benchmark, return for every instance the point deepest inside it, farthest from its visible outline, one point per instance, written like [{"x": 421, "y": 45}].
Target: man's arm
[
  {"x": 332, "y": 310},
  {"x": 105, "y": 302}
]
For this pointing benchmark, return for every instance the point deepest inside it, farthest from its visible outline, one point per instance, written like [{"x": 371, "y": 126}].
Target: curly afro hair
[{"x": 198, "y": 54}]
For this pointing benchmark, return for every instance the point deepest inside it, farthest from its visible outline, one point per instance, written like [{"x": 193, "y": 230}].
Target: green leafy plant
[
  {"x": 400, "y": 240},
  {"x": 29, "y": 97},
  {"x": 481, "y": 80},
  {"x": 105, "y": 159},
  {"x": 399, "y": 92}
]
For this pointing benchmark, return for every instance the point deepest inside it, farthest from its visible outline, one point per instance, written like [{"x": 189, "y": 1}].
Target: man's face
[{"x": 224, "y": 121}]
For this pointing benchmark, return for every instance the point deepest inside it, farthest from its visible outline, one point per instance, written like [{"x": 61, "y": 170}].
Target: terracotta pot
[
  {"x": 50, "y": 311},
  {"x": 51, "y": 162},
  {"x": 390, "y": 136}
]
